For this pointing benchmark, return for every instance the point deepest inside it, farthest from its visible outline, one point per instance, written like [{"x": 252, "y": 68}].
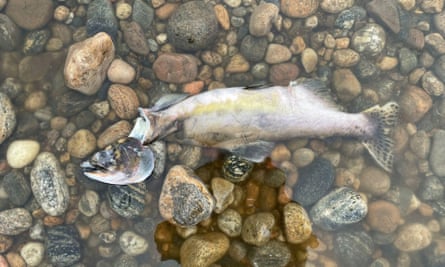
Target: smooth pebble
[{"x": 21, "y": 153}]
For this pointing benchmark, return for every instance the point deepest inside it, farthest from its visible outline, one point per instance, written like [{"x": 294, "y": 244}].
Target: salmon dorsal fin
[
  {"x": 318, "y": 88},
  {"x": 380, "y": 146},
  {"x": 168, "y": 100}
]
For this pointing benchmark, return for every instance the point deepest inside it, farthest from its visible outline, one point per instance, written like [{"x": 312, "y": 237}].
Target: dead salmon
[{"x": 248, "y": 122}]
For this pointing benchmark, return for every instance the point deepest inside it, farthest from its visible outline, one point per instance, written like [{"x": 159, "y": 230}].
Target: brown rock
[
  {"x": 134, "y": 37},
  {"x": 299, "y": 8},
  {"x": 277, "y": 53},
  {"x": 87, "y": 63},
  {"x": 203, "y": 249},
  {"x": 165, "y": 11},
  {"x": 46, "y": 62},
  {"x": 211, "y": 58},
  {"x": 282, "y": 74},
  {"x": 385, "y": 11},
  {"x": 123, "y": 100},
  {"x": 297, "y": 224},
  {"x": 413, "y": 237},
  {"x": 309, "y": 60},
  {"x": 176, "y": 68},
  {"x": 375, "y": 181},
  {"x": 346, "y": 84},
  {"x": 237, "y": 64},
  {"x": 383, "y": 216},
  {"x": 414, "y": 104},
  {"x": 121, "y": 72},
  {"x": 193, "y": 87},
  {"x": 30, "y": 15},
  {"x": 416, "y": 38},
  {"x": 81, "y": 144},
  {"x": 222, "y": 16},
  {"x": 113, "y": 133},
  {"x": 262, "y": 18},
  {"x": 346, "y": 57},
  {"x": 5, "y": 243}
]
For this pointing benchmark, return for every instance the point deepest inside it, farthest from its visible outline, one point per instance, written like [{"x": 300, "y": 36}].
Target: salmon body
[{"x": 248, "y": 122}]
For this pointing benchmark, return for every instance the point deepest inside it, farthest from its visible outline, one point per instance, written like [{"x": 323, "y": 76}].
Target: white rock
[
  {"x": 132, "y": 243},
  {"x": 21, "y": 153},
  {"x": 33, "y": 253},
  {"x": 121, "y": 72}
]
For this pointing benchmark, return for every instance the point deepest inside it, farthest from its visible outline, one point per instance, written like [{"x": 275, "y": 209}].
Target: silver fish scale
[{"x": 236, "y": 169}]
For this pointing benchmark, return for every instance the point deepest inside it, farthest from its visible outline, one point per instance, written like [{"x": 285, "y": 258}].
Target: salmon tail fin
[{"x": 380, "y": 146}]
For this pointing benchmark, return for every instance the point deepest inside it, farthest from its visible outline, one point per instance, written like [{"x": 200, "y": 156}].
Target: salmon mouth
[{"x": 124, "y": 162}]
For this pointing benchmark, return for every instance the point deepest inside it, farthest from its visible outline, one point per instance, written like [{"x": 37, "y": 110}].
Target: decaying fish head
[{"x": 124, "y": 162}]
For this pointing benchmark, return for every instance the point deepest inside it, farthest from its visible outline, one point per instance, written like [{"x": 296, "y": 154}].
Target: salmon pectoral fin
[
  {"x": 380, "y": 146},
  {"x": 255, "y": 151}
]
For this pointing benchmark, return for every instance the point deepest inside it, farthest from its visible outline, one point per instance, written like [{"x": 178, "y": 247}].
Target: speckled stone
[
  {"x": 134, "y": 37},
  {"x": 14, "y": 221},
  {"x": 87, "y": 63},
  {"x": 339, "y": 208},
  {"x": 274, "y": 253},
  {"x": 203, "y": 249},
  {"x": 7, "y": 117},
  {"x": 230, "y": 222},
  {"x": 314, "y": 181},
  {"x": 127, "y": 200},
  {"x": 413, "y": 237},
  {"x": 35, "y": 41},
  {"x": 353, "y": 248},
  {"x": 10, "y": 35},
  {"x": 297, "y": 224},
  {"x": 100, "y": 18},
  {"x": 375, "y": 181},
  {"x": 17, "y": 187},
  {"x": 277, "y": 53},
  {"x": 414, "y": 104},
  {"x": 369, "y": 40},
  {"x": 48, "y": 184},
  {"x": 335, "y": 6},
  {"x": 346, "y": 84},
  {"x": 123, "y": 100},
  {"x": 193, "y": 26},
  {"x": 431, "y": 188},
  {"x": 62, "y": 245},
  {"x": 184, "y": 199},
  {"x": 22, "y": 152},
  {"x": 30, "y": 15},
  {"x": 143, "y": 14},
  {"x": 132, "y": 243},
  {"x": 437, "y": 161},
  {"x": 257, "y": 228},
  {"x": 299, "y": 9}
]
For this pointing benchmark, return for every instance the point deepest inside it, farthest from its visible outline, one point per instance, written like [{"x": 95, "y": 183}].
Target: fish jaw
[{"x": 124, "y": 162}]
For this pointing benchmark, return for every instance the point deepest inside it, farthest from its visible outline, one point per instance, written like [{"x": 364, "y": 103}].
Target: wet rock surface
[{"x": 62, "y": 245}]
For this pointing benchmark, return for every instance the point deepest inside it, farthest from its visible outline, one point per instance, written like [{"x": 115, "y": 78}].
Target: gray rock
[
  {"x": 314, "y": 181},
  {"x": 230, "y": 222},
  {"x": 437, "y": 160},
  {"x": 125, "y": 260},
  {"x": 274, "y": 253},
  {"x": 89, "y": 203},
  {"x": 257, "y": 228},
  {"x": 47, "y": 62},
  {"x": 143, "y": 14},
  {"x": 345, "y": 20},
  {"x": 10, "y": 35},
  {"x": 127, "y": 200},
  {"x": 253, "y": 48},
  {"x": 33, "y": 253},
  {"x": 14, "y": 221},
  {"x": 30, "y": 15},
  {"x": 48, "y": 184},
  {"x": 339, "y": 208},
  {"x": 193, "y": 26},
  {"x": 431, "y": 188},
  {"x": 159, "y": 150},
  {"x": 439, "y": 68},
  {"x": 72, "y": 102},
  {"x": 408, "y": 60},
  {"x": 100, "y": 18},
  {"x": 63, "y": 246},
  {"x": 7, "y": 117},
  {"x": 17, "y": 187},
  {"x": 353, "y": 248}
]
